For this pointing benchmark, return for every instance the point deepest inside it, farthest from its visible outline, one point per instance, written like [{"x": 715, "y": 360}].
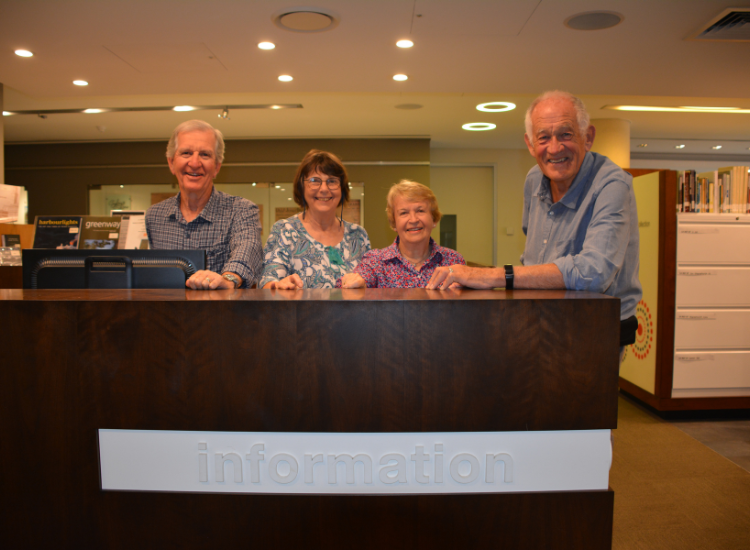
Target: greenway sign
[{"x": 361, "y": 463}]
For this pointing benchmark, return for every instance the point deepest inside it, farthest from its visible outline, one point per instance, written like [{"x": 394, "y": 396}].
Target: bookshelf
[{"x": 693, "y": 346}]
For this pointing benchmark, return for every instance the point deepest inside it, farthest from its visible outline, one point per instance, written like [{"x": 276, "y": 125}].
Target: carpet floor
[{"x": 673, "y": 492}]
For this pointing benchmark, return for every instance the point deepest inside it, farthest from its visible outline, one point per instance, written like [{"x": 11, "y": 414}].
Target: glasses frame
[{"x": 327, "y": 182}]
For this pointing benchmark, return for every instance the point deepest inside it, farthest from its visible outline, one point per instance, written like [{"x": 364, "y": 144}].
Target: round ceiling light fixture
[
  {"x": 305, "y": 19},
  {"x": 266, "y": 45},
  {"x": 286, "y": 78},
  {"x": 479, "y": 126},
  {"x": 400, "y": 77},
  {"x": 594, "y": 20},
  {"x": 80, "y": 83},
  {"x": 24, "y": 53},
  {"x": 404, "y": 43},
  {"x": 496, "y": 107}
]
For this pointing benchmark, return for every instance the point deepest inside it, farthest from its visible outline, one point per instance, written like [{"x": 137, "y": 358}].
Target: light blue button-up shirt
[{"x": 591, "y": 234}]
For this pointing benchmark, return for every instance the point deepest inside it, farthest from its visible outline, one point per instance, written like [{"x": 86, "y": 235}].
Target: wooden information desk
[{"x": 74, "y": 362}]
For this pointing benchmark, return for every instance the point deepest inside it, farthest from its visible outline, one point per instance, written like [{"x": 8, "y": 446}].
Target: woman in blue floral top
[
  {"x": 410, "y": 261},
  {"x": 315, "y": 248}
]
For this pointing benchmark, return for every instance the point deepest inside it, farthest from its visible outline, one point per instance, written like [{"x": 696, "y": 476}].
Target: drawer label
[
  {"x": 699, "y": 231},
  {"x": 693, "y": 358},
  {"x": 696, "y": 317},
  {"x": 701, "y": 273}
]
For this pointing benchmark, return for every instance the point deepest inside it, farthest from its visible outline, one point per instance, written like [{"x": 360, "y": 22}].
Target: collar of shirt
[
  {"x": 570, "y": 199},
  {"x": 208, "y": 213},
  {"x": 394, "y": 253}
]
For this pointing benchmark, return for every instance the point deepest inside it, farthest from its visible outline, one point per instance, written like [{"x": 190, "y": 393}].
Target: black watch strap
[{"x": 508, "y": 277}]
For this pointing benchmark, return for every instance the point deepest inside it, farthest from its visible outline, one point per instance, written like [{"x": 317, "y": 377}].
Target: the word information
[{"x": 362, "y": 463}]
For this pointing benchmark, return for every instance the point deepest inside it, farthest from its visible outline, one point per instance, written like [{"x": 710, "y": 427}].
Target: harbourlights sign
[{"x": 361, "y": 463}]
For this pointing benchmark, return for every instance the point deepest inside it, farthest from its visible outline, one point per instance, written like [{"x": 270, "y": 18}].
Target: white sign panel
[{"x": 362, "y": 463}]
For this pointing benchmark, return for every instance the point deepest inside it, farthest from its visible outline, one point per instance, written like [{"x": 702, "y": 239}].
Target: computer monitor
[{"x": 79, "y": 269}]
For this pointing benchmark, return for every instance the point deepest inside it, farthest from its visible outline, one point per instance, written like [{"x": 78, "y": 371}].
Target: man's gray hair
[
  {"x": 197, "y": 126},
  {"x": 581, "y": 114}
]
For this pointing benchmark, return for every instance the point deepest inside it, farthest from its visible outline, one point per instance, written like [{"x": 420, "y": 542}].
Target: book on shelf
[
  {"x": 133, "y": 232},
  {"x": 99, "y": 232},
  {"x": 57, "y": 231},
  {"x": 723, "y": 191},
  {"x": 13, "y": 241}
]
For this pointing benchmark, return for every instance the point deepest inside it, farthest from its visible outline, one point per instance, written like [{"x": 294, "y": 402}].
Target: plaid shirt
[
  {"x": 228, "y": 229},
  {"x": 387, "y": 268}
]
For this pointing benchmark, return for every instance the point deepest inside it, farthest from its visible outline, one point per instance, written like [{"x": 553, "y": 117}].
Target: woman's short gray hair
[
  {"x": 582, "y": 116},
  {"x": 197, "y": 126}
]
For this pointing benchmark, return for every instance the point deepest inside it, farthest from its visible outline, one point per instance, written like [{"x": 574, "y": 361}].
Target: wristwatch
[
  {"x": 233, "y": 278},
  {"x": 508, "y": 276}
]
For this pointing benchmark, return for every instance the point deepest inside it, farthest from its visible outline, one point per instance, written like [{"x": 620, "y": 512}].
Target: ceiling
[{"x": 147, "y": 53}]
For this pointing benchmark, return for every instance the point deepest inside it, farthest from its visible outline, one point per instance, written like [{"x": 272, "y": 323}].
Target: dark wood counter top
[{"x": 370, "y": 294}]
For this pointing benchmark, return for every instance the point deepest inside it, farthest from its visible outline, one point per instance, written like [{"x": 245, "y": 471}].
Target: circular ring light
[
  {"x": 479, "y": 126},
  {"x": 496, "y": 107}
]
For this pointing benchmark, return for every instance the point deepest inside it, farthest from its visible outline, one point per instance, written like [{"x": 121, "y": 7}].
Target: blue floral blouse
[{"x": 290, "y": 249}]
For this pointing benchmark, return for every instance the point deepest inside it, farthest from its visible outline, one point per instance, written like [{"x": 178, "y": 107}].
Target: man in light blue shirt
[{"x": 579, "y": 214}]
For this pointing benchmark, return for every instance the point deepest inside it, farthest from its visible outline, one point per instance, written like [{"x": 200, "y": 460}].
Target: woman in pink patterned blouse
[{"x": 409, "y": 262}]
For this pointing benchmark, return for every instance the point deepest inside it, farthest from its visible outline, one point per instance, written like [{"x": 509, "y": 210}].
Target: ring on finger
[{"x": 450, "y": 270}]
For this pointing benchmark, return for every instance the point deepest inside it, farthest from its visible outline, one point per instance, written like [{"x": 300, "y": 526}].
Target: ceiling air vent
[{"x": 731, "y": 25}]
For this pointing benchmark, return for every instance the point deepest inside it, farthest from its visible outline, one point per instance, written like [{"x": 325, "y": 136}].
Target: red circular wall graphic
[{"x": 644, "y": 337}]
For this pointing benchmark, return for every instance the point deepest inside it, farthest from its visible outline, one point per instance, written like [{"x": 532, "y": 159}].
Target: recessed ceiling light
[
  {"x": 682, "y": 109},
  {"x": 7, "y": 113},
  {"x": 400, "y": 77},
  {"x": 404, "y": 43},
  {"x": 275, "y": 106},
  {"x": 266, "y": 45},
  {"x": 681, "y": 146},
  {"x": 479, "y": 126},
  {"x": 496, "y": 107},
  {"x": 593, "y": 20},
  {"x": 278, "y": 187},
  {"x": 183, "y": 108},
  {"x": 93, "y": 111},
  {"x": 285, "y": 78},
  {"x": 716, "y": 147},
  {"x": 24, "y": 53},
  {"x": 643, "y": 145},
  {"x": 305, "y": 20},
  {"x": 80, "y": 83},
  {"x": 254, "y": 184}
]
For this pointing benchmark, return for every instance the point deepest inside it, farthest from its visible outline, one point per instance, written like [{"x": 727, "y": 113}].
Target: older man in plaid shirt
[{"x": 202, "y": 218}]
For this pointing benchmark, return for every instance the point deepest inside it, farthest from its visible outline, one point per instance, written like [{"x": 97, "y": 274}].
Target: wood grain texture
[{"x": 75, "y": 362}]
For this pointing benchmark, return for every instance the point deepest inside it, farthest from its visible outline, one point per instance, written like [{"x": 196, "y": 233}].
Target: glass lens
[{"x": 332, "y": 183}]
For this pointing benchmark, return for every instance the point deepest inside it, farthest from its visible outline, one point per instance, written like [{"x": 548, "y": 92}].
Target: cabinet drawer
[
  {"x": 713, "y": 243},
  {"x": 700, "y": 329},
  {"x": 721, "y": 369},
  {"x": 713, "y": 286}
]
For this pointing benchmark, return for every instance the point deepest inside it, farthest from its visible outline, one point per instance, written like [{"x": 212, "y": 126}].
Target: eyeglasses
[{"x": 332, "y": 183}]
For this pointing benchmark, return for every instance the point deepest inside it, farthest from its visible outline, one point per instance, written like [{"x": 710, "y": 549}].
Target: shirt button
[{"x": 551, "y": 213}]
